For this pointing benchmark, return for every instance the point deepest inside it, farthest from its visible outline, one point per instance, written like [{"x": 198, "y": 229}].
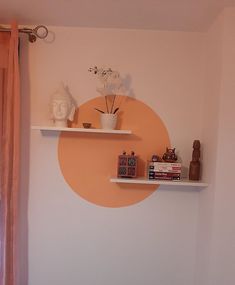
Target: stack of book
[{"x": 164, "y": 170}]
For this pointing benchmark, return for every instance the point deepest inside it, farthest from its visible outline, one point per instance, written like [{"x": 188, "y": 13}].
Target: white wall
[
  {"x": 74, "y": 242},
  {"x": 176, "y": 236},
  {"x": 222, "y": 262},
  {"x": 211, "y": 106},
  {"x": 216, "y": 232}
]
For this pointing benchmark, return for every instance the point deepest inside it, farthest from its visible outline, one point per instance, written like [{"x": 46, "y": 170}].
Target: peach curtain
[{"x": 9, "y": 154}]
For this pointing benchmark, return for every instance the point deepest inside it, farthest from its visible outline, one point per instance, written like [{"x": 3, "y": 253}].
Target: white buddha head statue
[{"x": 62, "y": 107}]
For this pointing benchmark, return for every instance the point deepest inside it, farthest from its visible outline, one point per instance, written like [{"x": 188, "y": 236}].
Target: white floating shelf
[
  {"x": 182, "y": 182},
  {"x": 81, "y": 130}
]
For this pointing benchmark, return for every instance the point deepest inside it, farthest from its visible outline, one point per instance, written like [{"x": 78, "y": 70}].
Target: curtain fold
[{"x": 9, "y": 154}]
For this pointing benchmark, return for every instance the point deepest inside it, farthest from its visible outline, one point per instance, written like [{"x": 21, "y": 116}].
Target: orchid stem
[
  {"x": 113, "y": 104},
  {"x": 106, "y": 102}
]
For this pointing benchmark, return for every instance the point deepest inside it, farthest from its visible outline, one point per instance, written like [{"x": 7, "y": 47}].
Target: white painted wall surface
[
  {"x": 211, "y": 108},
  {"x": 222, "y": 262},
  {"x": 74, "y": 242},
  {"x": 216, "y": 232}
]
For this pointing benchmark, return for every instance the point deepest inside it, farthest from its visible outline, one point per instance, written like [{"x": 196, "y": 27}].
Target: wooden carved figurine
[
  {"x": 194, "y": 168},
  {"x": 170, "y": 155}
]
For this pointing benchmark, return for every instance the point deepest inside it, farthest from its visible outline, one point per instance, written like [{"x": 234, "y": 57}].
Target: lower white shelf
[{"x": 182, "y": 182}]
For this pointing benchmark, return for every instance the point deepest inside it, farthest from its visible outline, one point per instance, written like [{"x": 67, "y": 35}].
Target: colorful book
[
  {"x": 164, "y": 175},
  {"x": 165, "y": 167}
]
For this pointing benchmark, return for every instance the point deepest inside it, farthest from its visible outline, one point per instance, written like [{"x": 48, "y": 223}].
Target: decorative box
[{"x": 127, "y": 165}]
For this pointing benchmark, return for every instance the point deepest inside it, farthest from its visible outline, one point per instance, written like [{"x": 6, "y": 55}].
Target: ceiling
[{"x": 185, "y": 15}]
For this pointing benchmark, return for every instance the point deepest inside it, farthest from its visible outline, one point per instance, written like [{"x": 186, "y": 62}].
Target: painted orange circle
[{"x": 88, "y": 160}]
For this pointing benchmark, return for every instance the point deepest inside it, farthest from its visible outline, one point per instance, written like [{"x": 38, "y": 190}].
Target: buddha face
[{"x": 60, "y": 109}]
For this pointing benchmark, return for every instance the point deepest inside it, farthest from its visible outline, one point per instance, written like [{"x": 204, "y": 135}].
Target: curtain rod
[{"x": 40, "y": 32}]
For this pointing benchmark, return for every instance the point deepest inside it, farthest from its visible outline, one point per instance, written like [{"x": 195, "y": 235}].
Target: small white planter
[{"x": 108, "y": 121}]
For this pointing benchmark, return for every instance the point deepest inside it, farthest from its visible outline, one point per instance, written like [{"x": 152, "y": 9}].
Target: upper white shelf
[
  {"x": 81, "y": 130},
  {"x": 182, "y": 182}
]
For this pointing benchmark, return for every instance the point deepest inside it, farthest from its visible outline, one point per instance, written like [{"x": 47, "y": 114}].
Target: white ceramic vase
[{"x": 108, "y": 121}]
